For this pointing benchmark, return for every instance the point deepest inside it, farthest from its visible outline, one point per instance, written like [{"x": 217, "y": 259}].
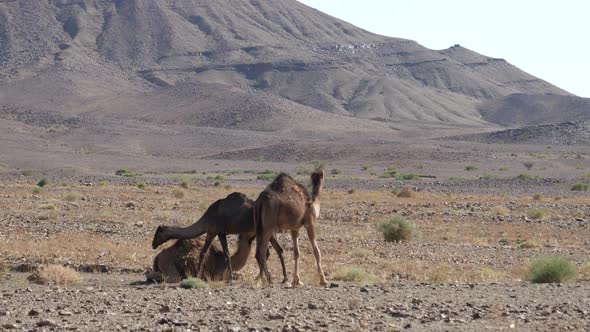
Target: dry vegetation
[
  {"x": 460, "y": 236},
  {"x": 55, "y": 275}
]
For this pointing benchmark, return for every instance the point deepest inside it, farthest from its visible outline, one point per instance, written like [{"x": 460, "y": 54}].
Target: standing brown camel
[
  {"x": 286, "y": 205},
  {"x": 181, "y": 259},
  {"x": 231, "y": 215}
]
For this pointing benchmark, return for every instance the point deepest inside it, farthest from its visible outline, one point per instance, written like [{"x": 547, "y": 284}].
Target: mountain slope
[{"x": 91, "y": 51}]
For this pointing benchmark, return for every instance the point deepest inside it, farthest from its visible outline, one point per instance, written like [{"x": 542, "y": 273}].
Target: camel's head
[
  {"x": 159, "y": 237},
  {"x": 317, "y": 177}
]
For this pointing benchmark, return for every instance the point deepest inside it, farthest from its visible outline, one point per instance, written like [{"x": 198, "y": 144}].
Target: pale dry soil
[{"x": 464, "y": 270}]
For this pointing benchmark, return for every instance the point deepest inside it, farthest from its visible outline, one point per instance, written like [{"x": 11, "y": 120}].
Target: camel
[
  {"x": 180, "y": 261},
  {"x": 286, "y": 205},
  {"x": 231, "y": 215}
]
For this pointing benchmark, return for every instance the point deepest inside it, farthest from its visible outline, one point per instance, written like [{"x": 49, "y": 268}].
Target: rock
[
  {"x": 64, "y": 313},
  {"x": 333, "y": 285},
  {"x": 476, "y": 315},
  {"x": 234, "y": 329},
  {"x": 275, "y": 316},
  {"x": 364, "y": 290},
  {"x": 10, "y": 326},
  {"x": 4, "y": 313},
  {"x": 34, "y": 313},
  {"x": 179, "y": 322},
  {"x": 164, "y": 309},
  {"x": 46, "y": 322},
  {"x": 312, "y": 306}
]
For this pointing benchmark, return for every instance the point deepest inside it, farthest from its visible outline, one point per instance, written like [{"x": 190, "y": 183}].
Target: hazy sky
[{"x": 546, "y": 38}]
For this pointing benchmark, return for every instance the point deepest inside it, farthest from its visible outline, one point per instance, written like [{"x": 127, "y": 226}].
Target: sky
[{"x": 546, "y": 38}]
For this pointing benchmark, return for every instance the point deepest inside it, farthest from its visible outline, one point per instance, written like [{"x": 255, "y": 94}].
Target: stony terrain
[{"x": 466, "y": 269}]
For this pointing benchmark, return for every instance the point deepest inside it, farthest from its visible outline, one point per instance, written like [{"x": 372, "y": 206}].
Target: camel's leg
[
  {"x": 206, "y": 246},
  {"x": 316, "y": 252},
  {"x": 279, "y": 250},
  {"x": 223, "y": 240},
  {"x": 261, "y": 252},
  {"x": 295, "y": 237}
]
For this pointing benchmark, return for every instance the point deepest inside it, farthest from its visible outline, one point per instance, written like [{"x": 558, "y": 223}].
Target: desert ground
[{"x": 466, "y": 268}]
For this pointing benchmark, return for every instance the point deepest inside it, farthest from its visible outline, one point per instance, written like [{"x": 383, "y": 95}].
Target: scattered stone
[
  {"x": 333, "y": 285},
  {"x": 34, "y": 313},
  {"x": 46, "y": 322},
  {"x": 10, "y": 326},
  {"x": 4, "y": 313},
  {"x": 165, "y": 309},
  {"x": 312, "y": 306},
  {"x": 64, "y": 313}
]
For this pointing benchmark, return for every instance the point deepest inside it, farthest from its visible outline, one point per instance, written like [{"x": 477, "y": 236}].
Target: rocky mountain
[{"x": 267, "y": 70}]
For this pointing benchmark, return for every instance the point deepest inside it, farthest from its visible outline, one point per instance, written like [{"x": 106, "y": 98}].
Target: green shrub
[
  {"x": 538, "y": 197},
  {"x": 124, "y": 172},
  {"x": 191, "y": 283},
  {"x": 503, "y": 169},
  {"x": 487, "y": 176},
  {"x": 581, "y": 187},
  {"x": 365, "y": 167},
  {"x": 535, "y": 213},
  {"x": 36, "y": 190},
  {"x": 456, "y": 178},
  {"x": 43, "y": 182},
  {"x": 407, "y": 176},
  {"x": 525, "y": 176},
  {"x": 397, "y": 229},
  {"x": 335, "y": 171},
  {"x": 585, "y": 177},
  {"x": 267, "y": 175},
  {"x": 471, "y": 168},
  {"x": 551, "y": 269},
  {"x": 184, "y": 184},
  {"x": 140, "y": 185},
  {"x": 389, "y": 173}
]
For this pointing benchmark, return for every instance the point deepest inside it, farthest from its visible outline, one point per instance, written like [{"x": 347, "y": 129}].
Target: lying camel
[
  {"x": 231, "y": 215},
  {"x": 180, "y": 261}
]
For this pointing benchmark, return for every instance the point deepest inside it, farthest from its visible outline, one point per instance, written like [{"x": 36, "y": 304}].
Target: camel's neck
[
  {"x": 316, "y": 191},
  {"x": 184, "y": 233},
  {"x": 240, "y": 257}
]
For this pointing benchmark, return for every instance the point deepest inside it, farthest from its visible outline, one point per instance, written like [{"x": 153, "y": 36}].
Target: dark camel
[
  {"x": 180, "y": 261},
  {"x": 231, "y": 215},
  {"x": 286, "y": 205}
]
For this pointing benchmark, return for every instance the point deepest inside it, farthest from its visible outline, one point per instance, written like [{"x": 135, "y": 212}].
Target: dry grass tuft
[
  {"x": 356, "y": 274},
  {"x": 177, "y": 193},
  {"x": 529, "y": 244},
  {"x": 55, "y": 275},
  {"x": 406, "y": 192},
  {"x": 500, "y": 211},
  {"x": 538, "y": 197}
]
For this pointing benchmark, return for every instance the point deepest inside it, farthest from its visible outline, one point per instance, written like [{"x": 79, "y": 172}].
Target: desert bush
[
  {"x": 124, "y": 172},
  {"x": 406, "y": 192},
  {"x": 551, "y": 269},
  {"x": 43, "y": 182},
  {"x": 55, "y": 275},
  {"x": 525, "y": 176},
  {"x": 471, "y": 168},
  {"x": 360, "y": 253},
  {"x": 191, "y": 283},
  {"x": 535, "y": 213},
  {"x": 397, "y": 229},
  {"x": 529, "y": 244},
  {"x": 178, "y": 193},
  {"x": 47, "y": 207},
  {"x": 538, "y": 197},
  {"x": 584, "y": 272},
  {"x": 26, "y": 172},
  {"x": 216, "y": 183},
  {"x": 140, "y": 185},
  {"x": 335, "y": 171},
  {"x": 585, "y": 177},
  {"x": 500, "y": 211},
  {"x": 389, "y": 173},
  {"x": 408, "y": 176},
  {"x": 351, "y": 191},
  {"x": 71, "y": 197},
  {"x": 456, "y": 178},
  {"x": 318, "y": 164},
  {"x": 267, "y": 177},
  {"x": 184, "y": 184},
  {"x": 529, "y": 165},
  {"x": 487, "y": 176},
  {"x": 504, "y": 169},
  {"x": 36, "y": 190},
  {"x": 581, "y": 187},
  {"x": 356, "y": 274},
  {"x": 302, "y": 171},
  {"x": 365, "y": 167}
]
